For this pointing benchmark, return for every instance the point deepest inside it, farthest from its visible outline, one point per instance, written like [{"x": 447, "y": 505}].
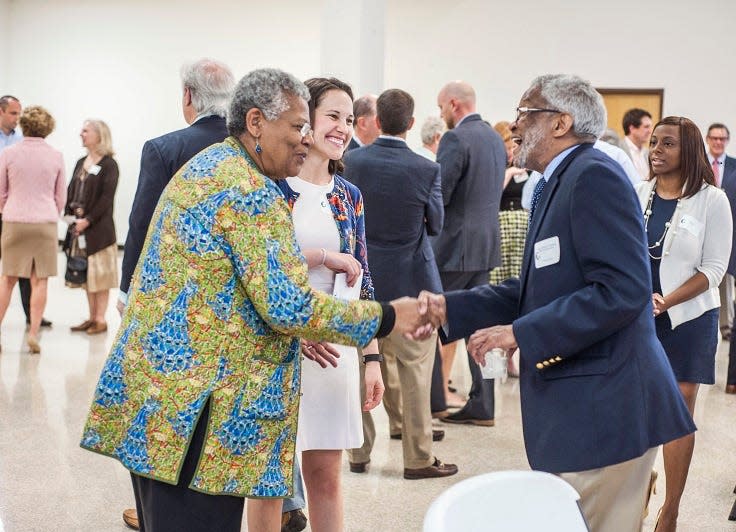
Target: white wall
[
  {"x": 500, "y": 46},
  {"x": 118, "y": 60}
]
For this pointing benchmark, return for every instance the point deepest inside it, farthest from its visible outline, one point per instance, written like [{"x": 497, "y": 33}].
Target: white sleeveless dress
[{"x": 330, "y": 407}]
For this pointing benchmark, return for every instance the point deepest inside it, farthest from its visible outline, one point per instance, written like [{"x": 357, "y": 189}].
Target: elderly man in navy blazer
[
  {"x": 403, "y": 205},
  {"x": 597, "y": 392}
]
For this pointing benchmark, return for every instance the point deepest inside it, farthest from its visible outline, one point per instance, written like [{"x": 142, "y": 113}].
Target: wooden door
[{"x": 618, "y": 101}]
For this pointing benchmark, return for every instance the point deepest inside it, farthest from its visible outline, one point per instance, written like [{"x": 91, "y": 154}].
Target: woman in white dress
[{"x": 330, "y": 229}]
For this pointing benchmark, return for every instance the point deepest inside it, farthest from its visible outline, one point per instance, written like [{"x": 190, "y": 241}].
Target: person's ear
[
  {"x": 254, "y": 120},
  {"x": 562, "y": 125},
  {"x": 411, "y": 124},
  {"x": 187, "y": 96}
]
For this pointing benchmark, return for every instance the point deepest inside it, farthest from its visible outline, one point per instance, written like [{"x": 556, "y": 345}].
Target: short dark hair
[
  {"x": 718, "y": 125},
  {"x": 633, "y": 117},
  {"x": 318, "y": 87},
  {"x": 6, "y": 99},
  {"x": 394, "y": 110},
  {"x": 694, "y": 165}
]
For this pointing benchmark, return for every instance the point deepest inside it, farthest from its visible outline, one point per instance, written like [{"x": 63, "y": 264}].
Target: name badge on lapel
[
  {"x": 691, "y": 225},
  {"x": 94, "y": 169},
  {"x": 547, "y": 252}
]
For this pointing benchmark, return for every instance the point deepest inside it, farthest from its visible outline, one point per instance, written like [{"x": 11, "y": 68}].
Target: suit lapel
[{"x": 541, "y": 210}]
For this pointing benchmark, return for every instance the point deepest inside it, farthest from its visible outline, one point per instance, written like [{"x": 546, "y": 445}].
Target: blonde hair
[
  {"x": 36, "y": 122},
  {"x": 103, "y": 132}
]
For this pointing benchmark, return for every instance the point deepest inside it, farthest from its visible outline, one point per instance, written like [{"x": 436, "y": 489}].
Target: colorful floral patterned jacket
[
  {"x": 346, "y": 203},
  {"x": 218, "y": 301}
]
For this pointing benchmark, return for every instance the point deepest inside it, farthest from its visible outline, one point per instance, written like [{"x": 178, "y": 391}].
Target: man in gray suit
[
  {"x": 473, "y": 160},
  {"x": 403, "y": 204}
]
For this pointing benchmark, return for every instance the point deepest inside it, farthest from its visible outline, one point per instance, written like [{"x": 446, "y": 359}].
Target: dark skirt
[{"x": 691, "y": 346}]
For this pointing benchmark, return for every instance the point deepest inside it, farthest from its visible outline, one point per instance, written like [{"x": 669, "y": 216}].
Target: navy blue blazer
[
  {"x": 352, "y": 145},
  {"x": 161, "y": 158},
  {"x": 402, "y": 197},
  {"x": 728, "y": 184},
  {"x": 473, "y": 161},
  {"x": 596, "y": 386}
]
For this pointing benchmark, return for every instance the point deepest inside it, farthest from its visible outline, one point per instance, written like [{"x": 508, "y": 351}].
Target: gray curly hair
[
  {"x": 267, "y": 89},
  {"x": 210, "y": 84},
  {"x": 578, "y": 98}
]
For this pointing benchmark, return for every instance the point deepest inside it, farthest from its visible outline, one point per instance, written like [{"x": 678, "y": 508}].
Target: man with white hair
[
  {"x": 597, "y": 393},
  {"x": 431, "y": 133}
]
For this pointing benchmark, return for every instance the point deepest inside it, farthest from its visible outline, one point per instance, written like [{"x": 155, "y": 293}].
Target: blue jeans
[{"x": 297, "y": 501}]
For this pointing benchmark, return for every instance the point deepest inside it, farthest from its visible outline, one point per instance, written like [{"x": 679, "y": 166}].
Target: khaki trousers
[
  {"x": 407, "y": 375},
  {"x": 612, "y": 498}
]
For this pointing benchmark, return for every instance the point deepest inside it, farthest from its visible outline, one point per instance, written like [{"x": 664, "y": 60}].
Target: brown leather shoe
[
  {"x": 97, "y": 328},
  {"x": 293, "y": 521},
  {"x": 731, "y": 388},
  {"x": 359, "y": 467},
  {"x": 82, "y": 326},
  {"x": 130, "y": 518},
  {"x": 437, "y": 435},
  {"x": 436, "y": 470},
  {"x": 440, "y": 414}
]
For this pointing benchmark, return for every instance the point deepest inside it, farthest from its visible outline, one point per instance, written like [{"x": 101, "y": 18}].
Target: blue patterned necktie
[{"x": 538, "y": 188}]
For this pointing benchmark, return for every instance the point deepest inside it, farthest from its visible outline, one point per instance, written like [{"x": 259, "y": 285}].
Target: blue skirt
[{"x": 691, "y": 346}]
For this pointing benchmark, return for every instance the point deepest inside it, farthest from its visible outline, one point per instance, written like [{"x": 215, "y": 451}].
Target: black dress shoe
[
  {"x": 436, "y": 470},
  {"x": 462, "y": 417},
  {"x": 44, "y": 322},
  {"x": 437, "y": 435},
  {"x": 359, "y": 467},
  {"x": 293, "y": 521}
]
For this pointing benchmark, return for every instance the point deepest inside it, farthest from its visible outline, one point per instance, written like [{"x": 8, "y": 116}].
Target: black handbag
[{"x": 76, "y": 264}]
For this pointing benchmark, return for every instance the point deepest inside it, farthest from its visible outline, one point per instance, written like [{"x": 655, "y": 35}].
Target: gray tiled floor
[{"x": 47, "y": 483}]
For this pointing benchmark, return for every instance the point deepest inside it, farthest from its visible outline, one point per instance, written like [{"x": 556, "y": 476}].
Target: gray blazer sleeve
[
  {"x": 435, "y": 210},
  {"x": 452, "y": 158}
]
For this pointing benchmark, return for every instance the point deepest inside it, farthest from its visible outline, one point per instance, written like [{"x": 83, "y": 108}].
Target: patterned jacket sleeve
[
  {"x": 258, "y": 232},
  {"x": 361, "y": 249}
]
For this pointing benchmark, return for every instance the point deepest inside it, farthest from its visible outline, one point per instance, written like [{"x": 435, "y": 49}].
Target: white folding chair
[{"x": 507, "y": 501}]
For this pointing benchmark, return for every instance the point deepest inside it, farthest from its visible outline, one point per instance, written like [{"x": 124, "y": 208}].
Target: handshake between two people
[{"x": 417, "y": 318}]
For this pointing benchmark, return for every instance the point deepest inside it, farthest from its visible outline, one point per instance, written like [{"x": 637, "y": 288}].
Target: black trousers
[
  {"x": 481, "y": 401},
  {"x": 731, "y": 375},
  {"x": 437, "y": 400},
  {"x": 164, "y": 507}
]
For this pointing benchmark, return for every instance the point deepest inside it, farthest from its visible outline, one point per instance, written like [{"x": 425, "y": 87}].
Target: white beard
[{"x": 528, "y": 144}]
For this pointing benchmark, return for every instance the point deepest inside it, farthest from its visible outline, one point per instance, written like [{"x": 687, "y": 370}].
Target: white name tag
[
  {"x": 547, "y": 252},
  {"x": 691, "y": 225},
  {"x": 94, "y": 169}
]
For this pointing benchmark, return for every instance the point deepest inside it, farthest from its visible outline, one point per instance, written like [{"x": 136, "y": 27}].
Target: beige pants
[
  {"x": 407, "y": 375},
  {"x": 613, "y": 497}
]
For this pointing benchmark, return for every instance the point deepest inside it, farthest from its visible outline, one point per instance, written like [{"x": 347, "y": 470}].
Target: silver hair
[
  {"x": 267, "y": 89},
  {"x": 578, "y": 98},
  {"x": 432, "y": 125},
  {"x": 210, "y": 83}
]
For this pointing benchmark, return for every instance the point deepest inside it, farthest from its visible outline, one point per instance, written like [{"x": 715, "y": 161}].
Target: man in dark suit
[
  {"x": 207, "y": 86},
  {"x": 725, "y": 166},
  {"x": 364, "y": 120},
  {"x": 403, "y": 204},
  {"x": 724, "y": 170},
  {"x": 597, "y": 392},
  {"x": 473, "y": 160}
]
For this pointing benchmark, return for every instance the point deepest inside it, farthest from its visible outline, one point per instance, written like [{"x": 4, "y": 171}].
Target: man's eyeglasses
[
  {"x": 305, "y": 130},
  {"x": 722, "y": 139},
  {"x": 524, "y": 110}
]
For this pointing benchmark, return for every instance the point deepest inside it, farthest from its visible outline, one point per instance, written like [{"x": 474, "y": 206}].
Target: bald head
[{"x": 456, "y": 100}]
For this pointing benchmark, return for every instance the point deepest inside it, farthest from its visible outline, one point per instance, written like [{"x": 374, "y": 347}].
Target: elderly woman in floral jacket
[{"x": 199, "y": 395}]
